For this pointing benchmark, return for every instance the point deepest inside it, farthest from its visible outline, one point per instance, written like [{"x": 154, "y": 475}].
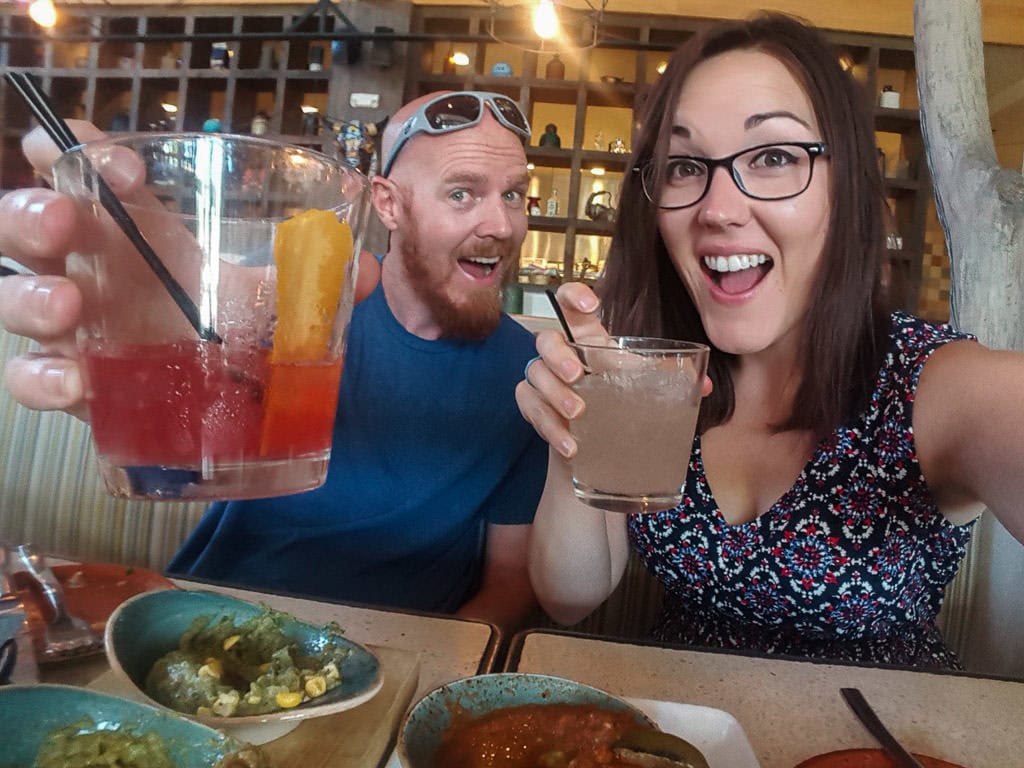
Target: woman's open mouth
[{"x": 739, "y": 272}]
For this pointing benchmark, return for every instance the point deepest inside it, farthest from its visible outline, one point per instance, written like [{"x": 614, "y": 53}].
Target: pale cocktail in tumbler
[{"x": 635, "y": 434}]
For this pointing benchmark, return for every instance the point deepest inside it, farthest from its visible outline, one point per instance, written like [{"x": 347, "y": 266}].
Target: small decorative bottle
[
  {"x": 555, "y": 70},
  {"x": 448, "y": 68},
  {"x": 316, "y": 58},
  {"x": 552, "y": 204}
]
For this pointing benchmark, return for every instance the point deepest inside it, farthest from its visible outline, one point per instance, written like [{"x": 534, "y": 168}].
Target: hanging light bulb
[
  {"x": 43, "y": 13},
  {"x": 545, "y": 20}
]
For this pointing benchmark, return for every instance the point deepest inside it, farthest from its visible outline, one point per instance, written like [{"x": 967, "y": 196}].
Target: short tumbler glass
[
  {"x": 262, "y": 238},
  {"x": 635, "y": 434}
]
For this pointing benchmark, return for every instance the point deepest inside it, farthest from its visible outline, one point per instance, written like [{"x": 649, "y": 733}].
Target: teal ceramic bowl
[
  {"x": 146, "y": 627},
  {"x": 419, "y": 735},
  {"x": 31, "y": 712}
]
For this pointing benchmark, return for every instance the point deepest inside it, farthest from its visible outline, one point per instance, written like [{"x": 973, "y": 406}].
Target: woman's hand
[{"x": 546, "y": 398}]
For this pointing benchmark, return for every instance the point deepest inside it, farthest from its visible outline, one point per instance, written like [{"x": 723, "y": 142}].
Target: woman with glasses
[{"x": 845, "y": 450}]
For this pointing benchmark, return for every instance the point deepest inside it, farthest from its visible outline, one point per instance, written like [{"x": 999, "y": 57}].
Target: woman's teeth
[{"x": 734, "y": 263}]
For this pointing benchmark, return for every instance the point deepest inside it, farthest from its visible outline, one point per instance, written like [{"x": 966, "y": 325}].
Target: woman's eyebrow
[{"x": 755, "y": 120}]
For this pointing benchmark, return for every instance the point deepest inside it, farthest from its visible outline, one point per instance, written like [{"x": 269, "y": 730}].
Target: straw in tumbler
[{"x": 65, "y": 139}]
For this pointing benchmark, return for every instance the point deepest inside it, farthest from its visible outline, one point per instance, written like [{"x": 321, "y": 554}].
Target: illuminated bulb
[
  {"x": 308, "y": 110},
  {"x": 43, "y": 13},
  {"x": 545, "y": 20},
  {"x": 460, "y": 58},
  {"x": 597, "y": 171},
  {"x": 169, "y": 108},
  {"x": 530, "y": 166},
  {"x": 661, "y": 67}
]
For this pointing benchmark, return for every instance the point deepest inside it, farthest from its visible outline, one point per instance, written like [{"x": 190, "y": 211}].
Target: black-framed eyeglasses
[
  {"x": 455, "y": 111},
  {"x": 765, "y": 172}
]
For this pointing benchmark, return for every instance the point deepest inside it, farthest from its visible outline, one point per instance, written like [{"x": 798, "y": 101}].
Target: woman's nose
[{"x": 725, "y": 203}]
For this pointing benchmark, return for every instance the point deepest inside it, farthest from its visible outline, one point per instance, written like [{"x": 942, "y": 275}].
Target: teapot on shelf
[{"x": 597, "y": 211}]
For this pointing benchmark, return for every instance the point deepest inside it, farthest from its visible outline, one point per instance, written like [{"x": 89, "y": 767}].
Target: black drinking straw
[
  {"x": 565, "y": 327},
  {"x": 560, "y": 314},
  {"x": 62, "y": 136}
]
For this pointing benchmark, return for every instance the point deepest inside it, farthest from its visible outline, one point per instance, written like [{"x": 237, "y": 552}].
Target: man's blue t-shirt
[{"x": 429, "y": 447}]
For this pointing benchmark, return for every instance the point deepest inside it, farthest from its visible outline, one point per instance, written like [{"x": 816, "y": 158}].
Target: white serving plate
[{"x": 714, "y": 732}]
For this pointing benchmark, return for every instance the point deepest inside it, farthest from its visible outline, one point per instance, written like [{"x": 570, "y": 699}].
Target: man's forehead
[
  {"x": 398, "y": 119},
  {"x": 488, "y": 135}
]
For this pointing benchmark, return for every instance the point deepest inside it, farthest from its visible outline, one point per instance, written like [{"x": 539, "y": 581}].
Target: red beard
[{"x": 477, "y": 313}]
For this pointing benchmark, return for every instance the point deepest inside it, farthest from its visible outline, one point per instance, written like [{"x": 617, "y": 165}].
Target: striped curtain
[{"x": 51, "y": 493}]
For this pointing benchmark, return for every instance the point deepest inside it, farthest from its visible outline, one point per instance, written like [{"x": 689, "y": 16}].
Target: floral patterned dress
[{"x": 850, "y": 563}]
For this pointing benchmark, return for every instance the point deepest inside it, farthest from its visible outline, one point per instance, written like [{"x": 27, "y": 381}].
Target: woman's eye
[
  {"x": 774, "y": 157},
  {"x": 683, "y": 168}
]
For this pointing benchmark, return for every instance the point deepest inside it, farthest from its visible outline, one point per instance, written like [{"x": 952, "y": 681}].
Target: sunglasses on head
[{"x": 455, "y": 111}]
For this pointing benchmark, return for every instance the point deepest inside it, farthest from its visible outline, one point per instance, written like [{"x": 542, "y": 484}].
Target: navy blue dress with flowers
[{"x": 850, "y": 563}]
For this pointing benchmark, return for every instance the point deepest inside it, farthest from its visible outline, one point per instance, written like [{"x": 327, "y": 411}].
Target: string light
[
  {"x": 545, "y": 20},
  {"x": 43, "y": 13}
]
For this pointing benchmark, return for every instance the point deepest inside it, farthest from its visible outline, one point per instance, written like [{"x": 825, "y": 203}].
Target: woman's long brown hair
[{"x": 846, "y": 324}]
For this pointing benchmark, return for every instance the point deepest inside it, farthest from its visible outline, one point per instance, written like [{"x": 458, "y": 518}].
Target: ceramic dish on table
[
  {"x": 867, "y": 758},
  {"x": 148, "y": 626},
  {"x": 715, "y": 734},
  {"x": 31, "y": 713},
  {"x": 93, "y": 590}
]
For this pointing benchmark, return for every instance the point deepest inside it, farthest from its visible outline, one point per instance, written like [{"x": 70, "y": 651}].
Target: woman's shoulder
[
  {"x": 908, "y": 331},
  {"x": 912, "y": 339}
]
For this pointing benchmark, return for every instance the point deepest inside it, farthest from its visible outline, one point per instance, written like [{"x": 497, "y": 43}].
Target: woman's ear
[{"x": 384, "y": 195}]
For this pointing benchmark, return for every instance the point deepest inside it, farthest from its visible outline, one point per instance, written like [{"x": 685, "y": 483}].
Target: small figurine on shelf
[
  {"x": 212, "y": 125},
  {"x": 618, "y": 147},
  {"x": 220, "y": 56},
  {"x": 260, "y": 123},
  {"x": 550, "y": 137}
]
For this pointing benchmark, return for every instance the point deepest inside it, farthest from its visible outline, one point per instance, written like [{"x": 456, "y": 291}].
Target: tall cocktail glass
[
  {"x": 262, "y": 238},
  {"x": 635, "y": 433}
]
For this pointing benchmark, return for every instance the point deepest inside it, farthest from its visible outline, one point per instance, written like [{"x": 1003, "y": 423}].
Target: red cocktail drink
[{"x": 195, "y": 405}]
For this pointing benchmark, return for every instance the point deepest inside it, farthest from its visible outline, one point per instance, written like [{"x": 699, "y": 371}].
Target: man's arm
[{"x": 505, "y": 596}]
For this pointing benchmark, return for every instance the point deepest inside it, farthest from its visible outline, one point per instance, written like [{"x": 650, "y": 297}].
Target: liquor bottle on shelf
[{"x": 552, "y": 204}]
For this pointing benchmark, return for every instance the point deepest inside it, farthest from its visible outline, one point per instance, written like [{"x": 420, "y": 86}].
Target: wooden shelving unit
[
  {"x": 122, "y": 86},
  {"x": 599, "y": 99}
]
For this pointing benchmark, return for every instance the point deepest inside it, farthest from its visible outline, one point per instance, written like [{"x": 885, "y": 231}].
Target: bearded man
[{"x": 434, "y": 475}]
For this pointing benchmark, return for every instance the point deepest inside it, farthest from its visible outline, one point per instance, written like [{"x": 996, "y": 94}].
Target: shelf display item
[
  {"x": 316, "y": 58},
  {"x": 501, "y": 69},
  {"x": 260, "y": 123},
  {"x": 550, "y": 137},
  {"x": 889, "y": 98},
  {"x": 552, "y": 204},
  {"x": 220, "y": 56},
  {"x": 555, "y": 70}
]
